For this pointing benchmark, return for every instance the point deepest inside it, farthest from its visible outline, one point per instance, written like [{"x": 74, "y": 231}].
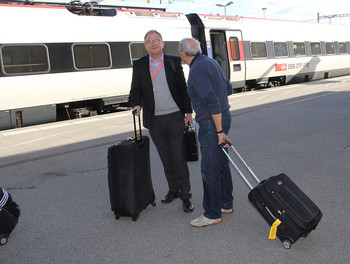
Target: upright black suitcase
[
  {"x": 9, "y": 214},
  {"x": 129, "y": 176},
  {"x": 284, "y": 206}
]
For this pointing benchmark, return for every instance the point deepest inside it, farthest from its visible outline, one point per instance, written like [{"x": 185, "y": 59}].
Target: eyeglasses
[{"x": 156, "y": 41}]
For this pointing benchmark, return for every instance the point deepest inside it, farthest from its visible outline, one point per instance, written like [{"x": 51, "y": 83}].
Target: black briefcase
[{"x": 190, "y": 144}]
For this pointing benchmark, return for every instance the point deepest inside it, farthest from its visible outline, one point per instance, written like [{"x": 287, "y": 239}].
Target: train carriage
[
  {"x": 68, "y": 60},
  {"x": 262, "y": 52}
]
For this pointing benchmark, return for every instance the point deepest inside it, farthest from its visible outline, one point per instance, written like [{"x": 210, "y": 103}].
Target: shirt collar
[{"x": 158, "y": 63}]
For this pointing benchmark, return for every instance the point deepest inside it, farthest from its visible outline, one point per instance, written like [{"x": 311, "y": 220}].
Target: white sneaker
[
  {"x": 227, "y": 211},
  {"x": 204, "y": 221}
]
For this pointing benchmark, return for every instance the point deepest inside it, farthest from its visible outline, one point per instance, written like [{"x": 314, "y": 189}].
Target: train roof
[
  {"x": 273, "y": 29},
  {"x": 100, "y": 3},
  {"x": 54, "y": 24},
  {"x": 170, "y": 24}
]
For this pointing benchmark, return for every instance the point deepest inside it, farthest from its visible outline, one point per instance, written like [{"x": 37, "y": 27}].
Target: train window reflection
[
  {"x": 171, "y": 48},
  {"x": 315, "y": 48},
  {"x": 280, "y": 49},
  {"x": 330, "y": 49},
  {"x": 91, "y": 56},
  {"x": 258, "y": 50},
  {"x": 342, "y": 47},
  {"x": 299, "y": 48},
  {"x": 234, "y": 48},
  {"x": 24, "y": 59},
  {"x": 137, "y": 50}
]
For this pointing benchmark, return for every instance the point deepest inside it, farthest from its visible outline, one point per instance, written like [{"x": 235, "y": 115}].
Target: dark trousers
[{"x": 167, "y": 135}]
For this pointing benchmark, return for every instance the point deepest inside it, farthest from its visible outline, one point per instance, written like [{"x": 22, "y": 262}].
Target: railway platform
[{"x": 57, "y": 173}]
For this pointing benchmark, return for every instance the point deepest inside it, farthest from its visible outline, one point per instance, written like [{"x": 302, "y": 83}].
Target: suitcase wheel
[
  {"x": 3, "y": 239},
  {"x": 153, "y": 204},
  {"x": 117, "y": 216},
  {"x": 286, "y": 244},
  {"x": 134, "y": 218}
]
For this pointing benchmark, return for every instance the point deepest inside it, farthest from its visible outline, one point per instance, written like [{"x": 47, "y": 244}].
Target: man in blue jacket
[{"x": 208, "y": 89}]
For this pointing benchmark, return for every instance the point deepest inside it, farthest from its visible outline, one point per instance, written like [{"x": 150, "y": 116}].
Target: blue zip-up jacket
[{"x": 207, "y": 87}]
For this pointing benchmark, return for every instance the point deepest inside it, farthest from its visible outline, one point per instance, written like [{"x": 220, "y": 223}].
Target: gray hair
[
  {"x": 153, "y": 31},
  {"x": 190, "y": 46}
]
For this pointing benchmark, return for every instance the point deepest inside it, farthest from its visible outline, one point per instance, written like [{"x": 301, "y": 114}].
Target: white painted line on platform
[
  {"x": 115, "y": 116},
  {"x": 80, "y": 121},
  {"x": 261, "y": 97},
  {"x": 18, "y": 132},
  {"x": 55, "y": 126},
  {"x": 233, "y": 102}
]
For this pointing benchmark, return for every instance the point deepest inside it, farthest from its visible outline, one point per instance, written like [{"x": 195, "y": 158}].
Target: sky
[{"x": 300, "y": 10}]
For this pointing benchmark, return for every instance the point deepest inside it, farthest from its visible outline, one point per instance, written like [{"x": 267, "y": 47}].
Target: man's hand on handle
[
  {"x": 222, "y": 138},
  {"x": 188, "y": 118},
  {"x": 137, "y": 110}
]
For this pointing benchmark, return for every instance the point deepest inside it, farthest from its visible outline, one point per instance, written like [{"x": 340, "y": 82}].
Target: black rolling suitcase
[
  {"x": 285, "y": 207},
  {"x": 129, "y": 176},
  {"x": 9, "y": 214},
  {"x": 190, "y": 144}
]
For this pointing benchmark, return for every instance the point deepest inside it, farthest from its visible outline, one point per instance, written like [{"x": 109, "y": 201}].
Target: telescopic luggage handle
[
  {"x": 135, "y": 130},
  {"x": 243, "y": 162}
]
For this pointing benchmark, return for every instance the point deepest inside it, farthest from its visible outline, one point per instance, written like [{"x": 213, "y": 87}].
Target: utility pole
[
  {"x": 224, "y": 6},
  {"x": 331, "y": 16}
]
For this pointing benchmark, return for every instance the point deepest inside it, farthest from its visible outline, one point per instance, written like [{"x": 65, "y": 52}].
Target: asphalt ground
[{"x": 57, "y": 173}]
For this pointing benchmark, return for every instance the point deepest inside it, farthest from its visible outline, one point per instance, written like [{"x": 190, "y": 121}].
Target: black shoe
[
  {"x": 170, "y": 197},
  {"x": 187, "y": 205}
]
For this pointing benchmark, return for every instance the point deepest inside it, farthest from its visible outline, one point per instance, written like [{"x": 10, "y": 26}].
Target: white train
[{"x": 67, "y": 60}]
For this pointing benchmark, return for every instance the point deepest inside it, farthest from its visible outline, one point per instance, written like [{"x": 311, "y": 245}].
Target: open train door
[
  {"x": 236, "y": 59},
  {"x": 227, "y": 49}
]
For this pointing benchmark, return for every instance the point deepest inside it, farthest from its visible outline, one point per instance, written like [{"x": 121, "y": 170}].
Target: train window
[
  {"x": 330, "y": 49},
  {"x": 299, "y": 48},
  {"x": 234, "y": 48},
  {"x": 342, "y": 47},
  {"x": 171, "y": 47},
  {"x": 258, "y": 50},
  {"x": 91, "y": 56},
  {"x": 24, "y": 59},
  {"x": 137, "y": 50},
  {"x": 280, "y": 49},
  {"x": 315, "y": 48}
]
